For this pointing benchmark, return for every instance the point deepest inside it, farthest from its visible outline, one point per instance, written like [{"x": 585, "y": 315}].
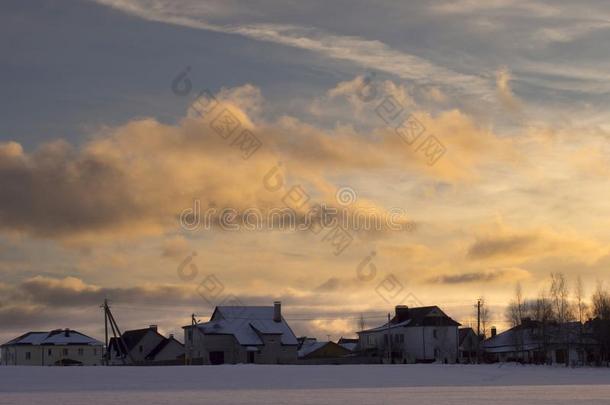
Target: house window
[
  {"x": 370, "y": 339},
  {"x": 95, "y": 351},
  {"x": 434, "y": 333},
  {"x": 402, "y": 338},
  {"x": 141, "y": 348},
  {"x": 189, "y": 335},
  {"x": 50, "y": 352},
  {"x": 28, "y": 355},
  {"x": 65, "y": 352},
  {"x": 81, "y": 351}
]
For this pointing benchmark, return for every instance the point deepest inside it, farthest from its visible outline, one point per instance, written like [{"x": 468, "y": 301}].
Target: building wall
[
  {"x": 139, "y": 352},
  {"x": 172, "y": 351},
  {"x": 198, "y": 348},
  {"x": 419, "y": 343},
  {"x": 48, "y": 355},
  {"x": 273, "y": 352}
]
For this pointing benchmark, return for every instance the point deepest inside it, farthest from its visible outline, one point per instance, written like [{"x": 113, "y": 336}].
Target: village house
[
  {"x": 469, "y": 344},
  {"x": 413, "y": 335},
  {"x": 311, "y": 348},
  {"x": 145, "y": 347},
  {"x": 543, "y": 343},
  {"x": 242, "y": 334},
  {"x": 60, "y": 347},
  {"x": 350, "y": 344}
]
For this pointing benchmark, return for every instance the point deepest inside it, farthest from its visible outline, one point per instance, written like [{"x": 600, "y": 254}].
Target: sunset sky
[{"x": 100, "y": 155}]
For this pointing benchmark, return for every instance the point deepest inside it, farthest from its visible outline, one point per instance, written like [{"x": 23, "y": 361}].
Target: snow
[
  {"x": 299, "y": 384},
  {"x": 244, "y": 321},
  {"x": 310, "y": 346},
  {"x": 55, "y": 337}
]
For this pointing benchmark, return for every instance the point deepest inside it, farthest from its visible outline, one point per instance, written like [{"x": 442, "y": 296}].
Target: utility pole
[
  {"x": 389, "y": 342},
  {"x": 361, "y": 321},
  {"x": 478, "y": 330},
  {"x": 105, "y": 332},
  {"x": 479, "y": 317},
  {"x": 118, "y": 336}
]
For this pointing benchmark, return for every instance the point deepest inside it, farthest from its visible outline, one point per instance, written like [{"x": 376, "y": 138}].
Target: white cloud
[{"x": 370, "y": 54}]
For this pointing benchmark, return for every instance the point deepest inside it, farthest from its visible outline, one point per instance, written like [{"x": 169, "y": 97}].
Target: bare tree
[
  {"x": 541, "y": 310},
  {"x": 579, "y": 295},
  {"x": 519, "y": 297},
  {"x": 514, "y": 310},
  {"x": 601, "y": 311},
  {"x": 485, "y": 316},
  {"x": 563, "y": 312},
  {"x": 601, "y": 302},
  {"x": 560, "y": 297}
]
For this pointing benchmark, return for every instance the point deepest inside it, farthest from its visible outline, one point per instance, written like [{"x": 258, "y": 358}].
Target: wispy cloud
[{"x": 367, "y": 53}]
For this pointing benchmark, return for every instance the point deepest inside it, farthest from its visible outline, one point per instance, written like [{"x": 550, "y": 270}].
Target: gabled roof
[
  {"x": 349, "y": 346},
  {"x": 310, "y": 347},
  {"x": 420, "y": 316},
  {"x": 161, "y": 346},
  {"x": 517, "y": 338},
  {"x": 131, "y": 338},
  {"x": 463, "y": 332},
  {"x": 533, "y": 335},
  {"x": 247, "y": 324},
  {"x": 424, "y": 316},
  {"x": 54, "y": 337}
]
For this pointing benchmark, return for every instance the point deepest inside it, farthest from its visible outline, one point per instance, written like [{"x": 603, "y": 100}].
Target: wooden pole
[
  {"x": 389, "y": 342},
  {"x": 478, "y": 330},
  {"x": 106, "y": 352}
]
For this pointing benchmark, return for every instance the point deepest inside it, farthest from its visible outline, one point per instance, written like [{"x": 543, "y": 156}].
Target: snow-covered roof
[
  {"x": 418, "y": 316},
  {"x": 349, "y": 346},
  {"x": 310, "y": 346},
  {"x": 247, "y": 323},
  {"x": 54, "y": 337},
  {"x": 530, "y": 337},
  {"x": 385, "y": 326}
]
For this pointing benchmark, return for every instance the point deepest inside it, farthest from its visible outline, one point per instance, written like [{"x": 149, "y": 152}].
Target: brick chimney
[
  {"x": 494, "y": 332},
  {"x": 153, "y": 327},
  {"x": 277, "y": 311},
  {"x": 402, "y": 312},
  {"x": 67, "y": 332}
]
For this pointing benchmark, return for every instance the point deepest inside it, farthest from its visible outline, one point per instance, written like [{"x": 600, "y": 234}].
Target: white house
[
  {"x": 60, "y": 347},
  {"x": 537, "y": 342},
  {"x": 145, "y": 347},
  {"x": 241, "y": 334},
  {"x": 424, "y": 334}
]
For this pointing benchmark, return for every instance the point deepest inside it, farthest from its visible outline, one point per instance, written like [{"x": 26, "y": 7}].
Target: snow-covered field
[{"x": 353, "y": 384}]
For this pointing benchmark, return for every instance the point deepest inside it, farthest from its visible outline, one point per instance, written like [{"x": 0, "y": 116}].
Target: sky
[{"x": 141, "y": 140}]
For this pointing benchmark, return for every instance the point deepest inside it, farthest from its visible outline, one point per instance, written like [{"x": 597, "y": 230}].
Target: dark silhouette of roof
[
  {"x": 420, "y": 316},
  {"x": 54, "y": 337},
  {"x": 131, "y": 338},
  {"x": 161, "y": 346}
]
